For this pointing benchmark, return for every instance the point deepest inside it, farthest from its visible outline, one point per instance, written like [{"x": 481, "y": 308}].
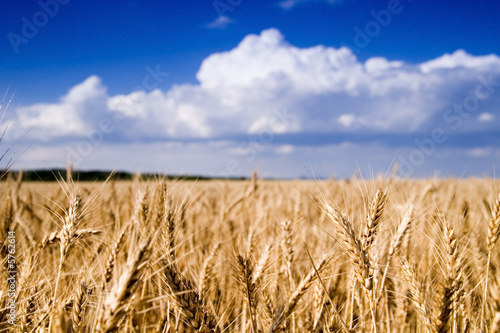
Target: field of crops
[{"x": 385, "y": 255}]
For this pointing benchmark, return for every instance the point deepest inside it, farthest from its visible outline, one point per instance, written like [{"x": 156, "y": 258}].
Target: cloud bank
[{"x": 302, "y": 96}]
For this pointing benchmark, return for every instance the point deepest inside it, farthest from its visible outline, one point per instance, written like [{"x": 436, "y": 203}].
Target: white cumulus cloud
[
  {"x": 324, "y": 90},
  {"x": 74, "y": 113}
]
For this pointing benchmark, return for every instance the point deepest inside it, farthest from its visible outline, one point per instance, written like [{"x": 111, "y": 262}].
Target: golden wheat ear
[
  {"x": 114, "y": 307},
  {"x": 373, "y": 220},
  {"x": 79, "y": 306},
  {"x": 418, "y": 294},
  {"x": 245, "y": 272},
  {"x": 493, "y": 234}
]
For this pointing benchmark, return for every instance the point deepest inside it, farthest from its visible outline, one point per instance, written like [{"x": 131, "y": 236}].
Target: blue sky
[{"x": 292, "y": 88}]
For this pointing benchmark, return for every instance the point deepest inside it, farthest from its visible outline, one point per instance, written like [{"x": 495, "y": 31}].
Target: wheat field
[{"x": 381, "y": 255}]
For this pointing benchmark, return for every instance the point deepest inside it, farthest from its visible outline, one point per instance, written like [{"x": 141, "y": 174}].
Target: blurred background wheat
[{"x": 253, "y": 256}]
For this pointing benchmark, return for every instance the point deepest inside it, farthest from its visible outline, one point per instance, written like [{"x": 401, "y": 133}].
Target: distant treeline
[{"x": 58, "y": 174}]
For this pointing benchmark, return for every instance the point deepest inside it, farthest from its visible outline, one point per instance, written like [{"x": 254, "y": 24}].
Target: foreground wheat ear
[
  {"x": 115, "y": 303},
  {"x": 251, "y": 256},
  {"x": 357, "y": 253}
]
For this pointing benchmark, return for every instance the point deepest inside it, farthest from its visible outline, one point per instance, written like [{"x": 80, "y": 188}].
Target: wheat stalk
[
  {"x": 207, "y": 270},
  {"x": 286, "y": 310}
]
